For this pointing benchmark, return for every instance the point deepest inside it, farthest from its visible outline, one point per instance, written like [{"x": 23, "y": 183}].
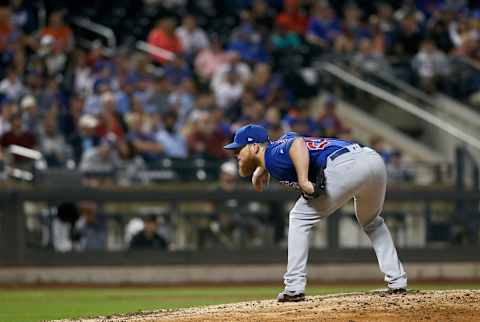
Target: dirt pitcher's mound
[{"x": 455, "y": 305}]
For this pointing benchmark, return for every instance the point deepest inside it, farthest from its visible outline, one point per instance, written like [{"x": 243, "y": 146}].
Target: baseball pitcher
[{"x": 328, "y": 173}]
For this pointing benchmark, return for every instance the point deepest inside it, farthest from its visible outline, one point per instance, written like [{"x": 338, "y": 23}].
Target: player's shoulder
[
  {"x": 289, "y": 135},
  {"x": 281, "y": 146},
  {"x": 284, "y": 139}
]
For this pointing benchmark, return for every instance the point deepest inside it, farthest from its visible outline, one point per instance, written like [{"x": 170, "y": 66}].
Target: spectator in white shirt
[
  {"x": 191, "y": 36},
  {"x": 11, "y": 86},
  {"x": 431, "y": 65},
  {"x": 52, "y": 144},
  {"x": 368, "y": 60},
  {"x": 7, "y": 110},
  {"x": 243, "y": 70},
  {"x": 102, "y": 158},
  {"x": 228, "y": 89},
  {"x": 83, "y": 76}
]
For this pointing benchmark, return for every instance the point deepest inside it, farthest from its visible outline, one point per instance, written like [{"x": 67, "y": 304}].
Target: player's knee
[
  {"x": 295, "y": 214},
  {"x": 374, "y": 224},
  {"x": 305, "y": 218}
]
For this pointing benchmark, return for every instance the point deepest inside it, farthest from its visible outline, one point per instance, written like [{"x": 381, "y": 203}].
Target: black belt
[{"x": 338, "y": 153}]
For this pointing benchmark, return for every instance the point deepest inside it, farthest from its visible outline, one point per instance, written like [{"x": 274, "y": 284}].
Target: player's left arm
[
  {"x": 301, "y": 159},
  {"x": 260, "y": 179}
]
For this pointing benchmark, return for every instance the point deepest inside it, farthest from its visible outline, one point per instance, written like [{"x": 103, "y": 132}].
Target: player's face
[{"x": 247, "y": 162}]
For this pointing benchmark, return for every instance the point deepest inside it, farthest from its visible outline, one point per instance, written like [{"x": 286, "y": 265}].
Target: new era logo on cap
[{"x": 249, "y": 139}]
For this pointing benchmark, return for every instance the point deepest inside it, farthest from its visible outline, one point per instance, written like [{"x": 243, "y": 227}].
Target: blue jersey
[{"x": 280, "y": 166}]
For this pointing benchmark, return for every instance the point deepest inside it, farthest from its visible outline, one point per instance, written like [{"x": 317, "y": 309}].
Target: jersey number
[{"x": 316, "y": 144}]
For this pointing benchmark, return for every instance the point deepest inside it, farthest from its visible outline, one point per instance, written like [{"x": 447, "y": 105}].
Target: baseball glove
[{"x": 319, "y": 181}]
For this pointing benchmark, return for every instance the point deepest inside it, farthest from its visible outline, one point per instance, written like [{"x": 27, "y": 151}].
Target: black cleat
[
  {"x": 290, "y": 297},
  {"x": 400, "y": 290},
  {"x": 390, "y": 291}
]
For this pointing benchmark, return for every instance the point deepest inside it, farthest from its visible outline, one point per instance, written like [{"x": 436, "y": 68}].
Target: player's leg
[
  {"x": 301, "y": 221},
  {"x": 342, "y": 181},
  {"x": 368, "y": 207}
]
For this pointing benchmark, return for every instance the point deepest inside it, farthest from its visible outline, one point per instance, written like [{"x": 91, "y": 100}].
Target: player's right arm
[{"x": 299, "y": 154}]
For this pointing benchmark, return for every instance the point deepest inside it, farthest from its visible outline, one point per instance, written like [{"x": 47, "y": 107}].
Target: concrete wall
[{"x": 182, "y": 274}]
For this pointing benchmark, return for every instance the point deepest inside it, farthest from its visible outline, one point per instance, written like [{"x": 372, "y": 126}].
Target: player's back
[{"x": 280, "y": 165}]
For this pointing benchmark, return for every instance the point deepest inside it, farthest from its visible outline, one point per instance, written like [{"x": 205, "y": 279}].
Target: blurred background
[{"x": 113, "y": 115}]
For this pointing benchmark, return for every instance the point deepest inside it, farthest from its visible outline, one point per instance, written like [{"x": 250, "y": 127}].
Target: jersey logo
[
  {"x": 279, "y": 141},
  {"x": 290, "y": 184},
  {"x": 316, "y": 144},
  {"x": 281, "y": 151}
]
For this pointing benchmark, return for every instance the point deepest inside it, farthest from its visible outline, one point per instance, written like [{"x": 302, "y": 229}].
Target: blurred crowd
[
  {"x": 97, "y": 110},
  {"x": 425, "y": 43}
]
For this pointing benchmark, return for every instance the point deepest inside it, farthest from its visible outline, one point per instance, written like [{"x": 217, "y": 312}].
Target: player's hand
[
  {"x": 260, "y": 179},
  {"x": 318, "y": 188},
  {"x": 307, "y": 187}
]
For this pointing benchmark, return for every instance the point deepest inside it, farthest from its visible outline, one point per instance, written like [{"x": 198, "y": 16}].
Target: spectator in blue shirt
[
  {"x": 298, "y": 120},
  {"x": 171, "y": 138},
  {"x": 183, "y": 100},
  {"x": 247, "y": 41},
  {"x": 125, "y": 95},
  {"x": 177, "y": 71},
  {"x": 142, "y": 140},
  {"x": 323, "y": 26},
  {"x": 93, "y": 103},
  {"x": 352, "y": 23}
]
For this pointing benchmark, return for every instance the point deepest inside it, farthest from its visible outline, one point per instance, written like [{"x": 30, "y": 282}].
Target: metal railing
[
  {"x": 469, "y": 62},
  {"x": 402, "y": 104},
  {"x": 411, "y": 91},
  {"x": 154, "y": 50},
  {"x": 468, "y": 170},
  {"x": 100, "y": 30},
  {"x": 398, "y": 85}
]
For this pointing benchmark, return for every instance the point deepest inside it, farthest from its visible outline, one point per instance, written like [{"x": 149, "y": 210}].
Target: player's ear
[{"x": 256, "y": 148}]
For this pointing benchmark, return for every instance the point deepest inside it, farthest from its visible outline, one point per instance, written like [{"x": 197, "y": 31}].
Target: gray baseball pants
[{"x": 358, "y": 174}]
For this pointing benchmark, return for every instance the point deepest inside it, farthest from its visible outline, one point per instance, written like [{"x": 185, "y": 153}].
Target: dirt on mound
[{"x": 454, "y": 305}]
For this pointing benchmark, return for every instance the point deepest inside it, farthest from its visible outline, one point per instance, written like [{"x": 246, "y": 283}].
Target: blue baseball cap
[{"x": 248, "y": 134}]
